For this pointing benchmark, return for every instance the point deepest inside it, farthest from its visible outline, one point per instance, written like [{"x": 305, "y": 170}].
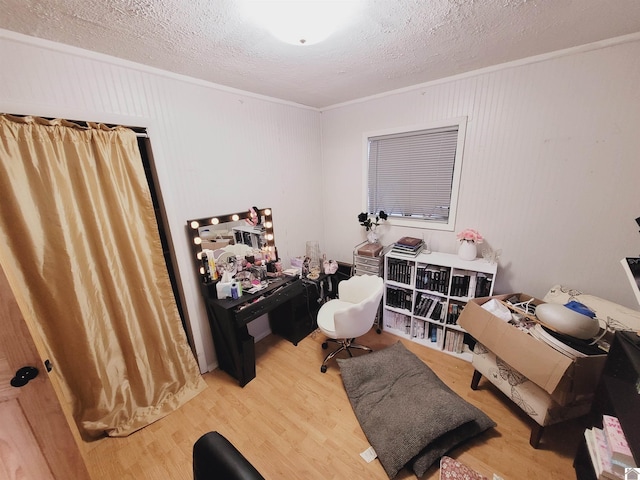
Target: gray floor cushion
[{"x": 410, "y": 417}]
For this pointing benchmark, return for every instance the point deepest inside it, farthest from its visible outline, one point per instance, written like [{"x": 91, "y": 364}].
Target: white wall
[
  {"x": 216, "y": 150},
  {"x": 550, "y": 173}
]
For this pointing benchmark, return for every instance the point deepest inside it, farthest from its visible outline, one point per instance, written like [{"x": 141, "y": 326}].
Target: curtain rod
[{"x": 140, "y": 132}]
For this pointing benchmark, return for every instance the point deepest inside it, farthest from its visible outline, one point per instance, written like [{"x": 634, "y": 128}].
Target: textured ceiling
[{"x": 391, "y": 44}]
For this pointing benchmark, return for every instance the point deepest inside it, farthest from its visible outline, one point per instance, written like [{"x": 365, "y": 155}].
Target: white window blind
[{"x": 411, "y": 174}]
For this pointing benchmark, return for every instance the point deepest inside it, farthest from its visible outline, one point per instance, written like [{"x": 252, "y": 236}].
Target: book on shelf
[
  {"x": 619, "y": 450},
  {"x": 483, "y": 285},
  {"x": 440, "y": 337},
  {"x": 424, "y": 305},
  {"x": 397, "y": 321},
  {"x": 463, "y": 283},
  {"x": 436, "y": 335},
  {"x": 419, "y": 305},
  {"x": 440, "y": 341},
  {"x": 399, "y": 298},
  {"x": 435, "y": 279},
  {"x": 448, "y": 342},
  {"x": 454, "y": 341},
  {"x": 431, "y": 307},
  {"x": 418, "y": 329},
  {"x": 454, "y": 312},
  {"x": 423, "y": 277},
  {"x": 411, "y": 253},
  {"x": 599, "y": 453},
  {"x": 436, "y": 311},
  {"x": 399, "y": 271},
  {"x": 459, "y": 342}
]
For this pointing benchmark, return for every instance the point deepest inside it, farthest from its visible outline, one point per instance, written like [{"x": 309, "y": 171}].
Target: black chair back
[{"x": 215, "y": 458}]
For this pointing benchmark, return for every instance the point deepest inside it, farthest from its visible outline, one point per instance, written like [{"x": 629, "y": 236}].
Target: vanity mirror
[
  {"x": 239, "y": 248},
  {"x": 241, "y": 233}
]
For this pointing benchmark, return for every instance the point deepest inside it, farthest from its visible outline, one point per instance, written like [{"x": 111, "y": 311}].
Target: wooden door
[{"x": 36, "y": 442}]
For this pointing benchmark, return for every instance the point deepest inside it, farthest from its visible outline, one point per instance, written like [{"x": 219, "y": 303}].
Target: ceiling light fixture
[{"x": 301, "y": 22}]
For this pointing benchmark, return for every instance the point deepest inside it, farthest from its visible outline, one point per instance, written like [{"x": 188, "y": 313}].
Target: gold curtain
[{"x": 79, "y": 243}]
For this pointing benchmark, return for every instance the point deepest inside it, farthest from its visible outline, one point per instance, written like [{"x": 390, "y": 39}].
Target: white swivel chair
[{"x": 351, "y": 315}]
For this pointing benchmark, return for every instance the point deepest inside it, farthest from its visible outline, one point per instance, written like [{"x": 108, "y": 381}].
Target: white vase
[
  {"x": 372, "y": 237},
  {"x": 467, "y": 250}
]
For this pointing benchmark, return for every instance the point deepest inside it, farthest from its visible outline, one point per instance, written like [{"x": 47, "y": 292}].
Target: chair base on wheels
[{"x": 345, "y": 344}]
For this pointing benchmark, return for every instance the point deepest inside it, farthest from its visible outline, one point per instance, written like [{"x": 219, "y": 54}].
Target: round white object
[{"x": 567, "y": 321}]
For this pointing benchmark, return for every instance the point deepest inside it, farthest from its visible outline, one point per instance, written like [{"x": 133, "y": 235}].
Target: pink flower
[{"x": 470, "y": 235}]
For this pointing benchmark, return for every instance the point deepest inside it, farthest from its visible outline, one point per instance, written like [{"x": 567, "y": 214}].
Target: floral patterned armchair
[{"x": 531, "y": 398}]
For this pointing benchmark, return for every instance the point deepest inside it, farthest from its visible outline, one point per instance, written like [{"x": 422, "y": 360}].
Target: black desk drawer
[{"x": 245, "y": 313}]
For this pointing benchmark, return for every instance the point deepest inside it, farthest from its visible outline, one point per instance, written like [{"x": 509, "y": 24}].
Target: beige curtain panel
[{"x": 80, "y": 246}]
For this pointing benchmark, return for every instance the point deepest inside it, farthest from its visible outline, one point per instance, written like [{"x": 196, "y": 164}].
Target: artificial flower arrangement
[
  {"x": 369, "y": 224},
  {"x": 470, "y": 235}
]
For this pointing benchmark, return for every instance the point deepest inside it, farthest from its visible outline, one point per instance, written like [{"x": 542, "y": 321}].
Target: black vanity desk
[{"x": 285, "y": 299}]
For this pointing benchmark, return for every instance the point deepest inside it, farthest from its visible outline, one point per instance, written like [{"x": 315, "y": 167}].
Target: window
[{"x": 414, "y": 175}]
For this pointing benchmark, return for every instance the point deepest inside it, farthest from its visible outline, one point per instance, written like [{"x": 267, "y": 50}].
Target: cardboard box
[{"x": 565, "y": 379}]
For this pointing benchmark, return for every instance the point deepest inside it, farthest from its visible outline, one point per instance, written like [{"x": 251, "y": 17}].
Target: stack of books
[
  {"x": 408, "y": 246},
  {"x": 399, "y": 271},
  {"x": 609, "y": 450},
  {"x": 432, "y": 278},
  {"x": 428, "y": 306},
  {"x": 454, "y": 341},
  {"x": 399, "y": 298},
  {"x": 483, "y": 285}
]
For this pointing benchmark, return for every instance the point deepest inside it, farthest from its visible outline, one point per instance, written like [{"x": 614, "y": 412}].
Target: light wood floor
[{"x": 293, "y": 422}]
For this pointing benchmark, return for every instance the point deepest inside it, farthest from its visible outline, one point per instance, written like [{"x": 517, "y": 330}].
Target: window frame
[{"x": 449, "y": 225}]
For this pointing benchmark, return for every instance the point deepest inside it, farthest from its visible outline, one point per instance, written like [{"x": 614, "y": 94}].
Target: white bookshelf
[{"x": 415, "y": 286}]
